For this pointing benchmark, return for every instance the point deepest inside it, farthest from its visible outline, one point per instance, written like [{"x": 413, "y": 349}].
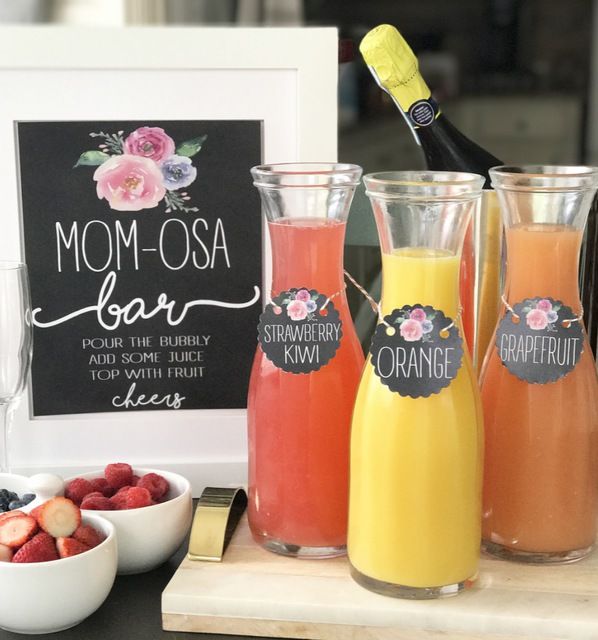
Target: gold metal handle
[{"x": 216, "y": 517}]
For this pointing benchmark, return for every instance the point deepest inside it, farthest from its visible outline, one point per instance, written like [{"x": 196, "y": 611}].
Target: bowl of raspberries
[
  {"x": 57, "y": 566},
  {"x": 151, "y": 511}
]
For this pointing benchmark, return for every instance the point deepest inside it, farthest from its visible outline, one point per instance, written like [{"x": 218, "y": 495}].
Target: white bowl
[
  {"x": 148, "y": 536},
  {"x": 44, "y": 597},
  {"x": 44, "y": 485}
]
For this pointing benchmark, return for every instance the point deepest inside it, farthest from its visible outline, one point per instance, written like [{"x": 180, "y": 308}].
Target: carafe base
[
  {"x": 535, "y": 557},
  {"x": 299, "y": 551},
  {"x": 409, "y": 593}
]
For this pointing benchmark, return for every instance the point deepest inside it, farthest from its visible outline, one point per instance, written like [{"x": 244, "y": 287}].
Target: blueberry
[
  {"x": 3, "y": 504},
  {"x": 4, "y": 494},
  {"x": 12, "y": 496},
  {"x": 28, "y": 497},
  {"x": 16, "y": 504}
]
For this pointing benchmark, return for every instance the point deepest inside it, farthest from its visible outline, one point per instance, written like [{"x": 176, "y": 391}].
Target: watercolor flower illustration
[
  {"x": 416, "y": 325},
  {"x": 143, "y": 169},
  {"x": 300, "y": 304},
  {"x": 541, "y": 315}
]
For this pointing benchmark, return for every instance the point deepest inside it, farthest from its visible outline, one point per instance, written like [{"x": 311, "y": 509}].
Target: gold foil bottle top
[{"x": 394, "y": 65}]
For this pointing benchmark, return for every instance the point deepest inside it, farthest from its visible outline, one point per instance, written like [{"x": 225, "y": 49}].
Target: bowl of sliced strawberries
[
  {"x": 57, "y": 566},
  {"x": 150, "y": 509}
]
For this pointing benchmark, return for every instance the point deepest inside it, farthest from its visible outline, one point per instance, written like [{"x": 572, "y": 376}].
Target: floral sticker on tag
[
  {"x": 300, "y": 330},
  {"x": 417, "y": 352},
  {"x": 540, "y": 340}
]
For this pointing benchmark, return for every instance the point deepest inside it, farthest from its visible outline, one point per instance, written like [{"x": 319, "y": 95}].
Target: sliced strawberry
[
  {"x": 59, "y": 517},
  {"x": 41, "y": 548},
  {"x": 5, "y": 553},
  {"x": 68, "y": 547},
  {"x": 15, "y": 532},
  {"x": 88, "y": 536},
  {"x": 11, "y": 514},
  {"x": 157, "y": 485}
]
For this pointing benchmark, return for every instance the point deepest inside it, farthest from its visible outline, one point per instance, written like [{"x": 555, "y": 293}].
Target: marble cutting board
[{"x": 256, "y": 593}]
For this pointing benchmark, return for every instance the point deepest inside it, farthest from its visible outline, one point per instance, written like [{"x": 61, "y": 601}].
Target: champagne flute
[{"x": 16, "y": 339}]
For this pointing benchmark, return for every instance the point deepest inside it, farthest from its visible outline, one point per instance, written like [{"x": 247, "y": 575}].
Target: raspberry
[
  {"x": 138, "y": 497},
  {"x": 135, "y": 481},
  {"x": 133, "y": 498},
  {"x": 118, "y": 474},
  {"x": 101, "y": 485},
  {"x": 155, "y": 484},
  {"x": 119, "y": 499},
  {"x": 88, "y": 536},
  {"x": 77, "y": 489},
  {"x": 97, "y": 503}
]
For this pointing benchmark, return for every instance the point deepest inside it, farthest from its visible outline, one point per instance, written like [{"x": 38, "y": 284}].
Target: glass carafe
[
  {"x": 298, "y": 423},
  {"x": 415, "y": 489},
  {"x": 540, "y": 394}
]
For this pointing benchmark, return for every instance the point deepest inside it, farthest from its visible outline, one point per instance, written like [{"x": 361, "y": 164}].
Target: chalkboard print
[
  {"x": 541, "y": 341},
  {"x": 300, "y": 330},
  {"x": 143, "y": 243},
  {"x": 417, "y": 352}
]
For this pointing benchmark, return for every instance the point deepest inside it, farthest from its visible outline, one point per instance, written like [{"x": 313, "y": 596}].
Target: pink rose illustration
[
  {"x": 418, "y": 314},
  {"x": 297, "y": 310},
  {"x": 537, "y": 319},
  {"x": 411, "y": 330},
  {"x": 303, "y": 295},
  {"x": 544, "y": 305},
  {"x": 129, "y": 183},
  {"x": 150, "y": 142}
]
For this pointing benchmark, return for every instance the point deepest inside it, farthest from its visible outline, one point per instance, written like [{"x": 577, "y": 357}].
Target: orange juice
[
  {"x": 541, "y": 474},
  {"x": 415, "y": 494}
]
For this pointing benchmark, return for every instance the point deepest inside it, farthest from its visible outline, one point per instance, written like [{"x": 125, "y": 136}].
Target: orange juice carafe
[
  {"x": 416, "y": 440},
  {"x": 539, "y": 384},
  {"x": 307, "y": 365}
]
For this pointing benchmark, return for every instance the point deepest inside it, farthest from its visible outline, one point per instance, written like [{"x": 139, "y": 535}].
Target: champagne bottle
[{"x": 395, "y": 69}]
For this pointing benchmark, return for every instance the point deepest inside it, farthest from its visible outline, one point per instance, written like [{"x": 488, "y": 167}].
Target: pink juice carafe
[{"x": 307, "y": 366}]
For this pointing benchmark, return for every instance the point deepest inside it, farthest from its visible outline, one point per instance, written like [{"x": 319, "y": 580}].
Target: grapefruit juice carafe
[
  {"x": 416, "y": 443},
  {"x": 539, "y": 384},
  {"x": 307, "y": 365}
]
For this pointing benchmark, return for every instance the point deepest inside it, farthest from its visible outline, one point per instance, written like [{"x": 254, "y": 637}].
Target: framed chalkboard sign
[
  {"x": 144, "y": 247},
  {"x": 160, "y": 301}
]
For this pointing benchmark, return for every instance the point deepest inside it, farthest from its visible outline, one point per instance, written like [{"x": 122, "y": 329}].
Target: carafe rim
[
  {"x": 425, "y": 185},
  {"x": 306, "y": 175},
  {"x": 544, "y": 178}
]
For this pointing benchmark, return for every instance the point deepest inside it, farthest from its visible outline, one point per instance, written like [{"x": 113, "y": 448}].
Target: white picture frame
[{"x": 286, "y": 77}]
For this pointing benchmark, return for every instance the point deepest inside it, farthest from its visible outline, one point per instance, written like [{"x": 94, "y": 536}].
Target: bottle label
[
  {"x": 417, "y": 351},
  {"x": 423, "y": 112},
  {"x": 300, "y": 330},
  {"x": 539, "y": 340}
]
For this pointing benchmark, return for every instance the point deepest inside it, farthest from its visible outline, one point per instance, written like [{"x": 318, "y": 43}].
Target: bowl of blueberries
[{"x": 24, "y": 493}]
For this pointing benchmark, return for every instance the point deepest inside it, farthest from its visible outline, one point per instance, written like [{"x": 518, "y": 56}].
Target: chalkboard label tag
[
  {"x": 540, "y": 340},
  {"x": 300, "y": 330},
  {"x": 417, "y": 351}
]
